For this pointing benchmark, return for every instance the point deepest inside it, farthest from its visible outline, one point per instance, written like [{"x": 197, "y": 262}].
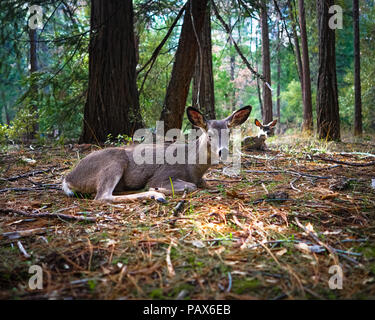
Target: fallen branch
[
  {"x": 294, "y": 181},
  {"x": 23, "y": 233},
  {"x": 22, "y": 249},
  {"x": 354, "y": 164},
  {"x": 289, "y": 172},
  {"x": 316, "y": 239},
  {"x": 180, "y": 205},
  {"x": 364, "y": 154},
  {"x": 171, "y": 271},
  {"x": 326, "y": 168},
  {"x": 36, "y": 188},
  {"x": 48, "y": 215},
  {"x": 32, "y": 173}
]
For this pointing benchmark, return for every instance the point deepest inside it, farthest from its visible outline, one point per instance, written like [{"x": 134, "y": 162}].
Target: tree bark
[
  {"x": 203, "y": 81},
  {"x": 306, "y": 83},
  {"x": 6, "y": 112},
  {"x": 184, "y": 65},
  {"x": 33, "y": 68},
  {"x": 266, "y": 65},
  {"x": 278, "y": 62},
  {"x": 357, "y": 72},
  {"x": 232, "y": 63},
  {"x": 296, "y": 45},
  {"x": 327, "y": 105},
  {"x": 112, "y": 105},
  {"x": 259, "y": 91}
]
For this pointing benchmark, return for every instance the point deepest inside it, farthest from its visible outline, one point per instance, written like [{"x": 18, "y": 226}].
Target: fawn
[
  {"x": 116, "y": 170},
  {"x": 258, "y": 142}
]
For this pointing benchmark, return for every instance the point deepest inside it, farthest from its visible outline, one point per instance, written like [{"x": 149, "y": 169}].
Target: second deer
[{"x": 258, "y": 142}]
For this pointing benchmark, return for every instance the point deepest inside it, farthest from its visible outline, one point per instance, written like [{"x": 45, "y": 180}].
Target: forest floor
[{"x": 273, "y": 232}]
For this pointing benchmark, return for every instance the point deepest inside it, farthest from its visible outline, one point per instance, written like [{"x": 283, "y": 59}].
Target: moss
[
  {"x": 183, "y": 286},
  {"x": 242, "y": 286},
  {"x": 157, "y": 294}
]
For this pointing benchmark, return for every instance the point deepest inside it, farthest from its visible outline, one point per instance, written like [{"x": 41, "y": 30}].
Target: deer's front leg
[
  {"x": 179, "y": 186},
  {"x": 109, "y": 177},
  {"x": 158, "y": 196}
]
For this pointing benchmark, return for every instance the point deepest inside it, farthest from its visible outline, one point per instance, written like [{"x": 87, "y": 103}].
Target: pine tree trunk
[
  {"x": 184, "y": 66},
  {"x": 266, "y": 64},
  {"x": 357, "y": 72},
  {"x": 34, "y": 88},
  {"x": 232, "y": 63},
  {"x": 296, "y": 45},
  {"x": 203, "y": 81},
  {"x": 5, "y": 104},
  {"x": 112, "y": 105},
  {"x": 278, "y": 62},
  {"x": 306, "y": 91},
  {"x": 7, "y": 118},
  {"x": 259, "y": 90},
  {"x": 327, "y": 105}
]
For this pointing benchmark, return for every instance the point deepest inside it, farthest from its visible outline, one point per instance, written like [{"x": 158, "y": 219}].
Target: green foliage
[
  {"x": 152, "y": 93},
  {"x": 3, "y": 134},
  {"x": 58, "y": 88},
  {"x": 346, "y": 93},
  {"x": 243, "y": 286},
  {"x": 292, "y": 103},
  {"x": 346, "y": 101},
  {"x": 120, "y": 140},
  {"x": 22, "y": 125}
]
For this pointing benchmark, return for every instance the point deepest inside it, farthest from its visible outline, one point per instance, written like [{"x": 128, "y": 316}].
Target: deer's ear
[
  {"x": 238, "y": 117},
  {"x": 257, "y": 123},
  {"x": 272, "y": 123},
  {"x": 196, "y": 118}
]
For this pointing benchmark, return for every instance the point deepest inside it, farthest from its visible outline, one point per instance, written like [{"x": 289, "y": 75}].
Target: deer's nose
[{"x": 223, "y": 153}]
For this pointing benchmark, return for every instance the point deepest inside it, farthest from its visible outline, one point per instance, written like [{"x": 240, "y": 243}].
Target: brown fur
[
  {"x": 114, "y": 169},
  {"x": 259, "y": 142}
]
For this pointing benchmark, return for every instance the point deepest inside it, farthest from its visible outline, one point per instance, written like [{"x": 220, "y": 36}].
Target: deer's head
[
  {"x": 216, "y": 132},
  {"x": 265, "y": 130}
]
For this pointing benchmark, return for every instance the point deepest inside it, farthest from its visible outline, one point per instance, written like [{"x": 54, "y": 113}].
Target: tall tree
[
  {"x": 266, "y": 65},
  {"x": 306, "y": 83},
  {"x": 184, "y": 65},
  {"x": 232, "y": 62},
  {"x": 296, "y": 43},
  {"x": 278, "y": 63},
  {"x": 203, "y": 81},
  {"x": 327, "y": 104},
  {"x": 357, "y": 72},
  {"x": 112, "y": 105},
  {"x": 33, "y": 68}
]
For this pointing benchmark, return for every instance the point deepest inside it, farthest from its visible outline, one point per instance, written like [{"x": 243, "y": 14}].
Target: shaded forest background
[{"x": 48, "y": 92}]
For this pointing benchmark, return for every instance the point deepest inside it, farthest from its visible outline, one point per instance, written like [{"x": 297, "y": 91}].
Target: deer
[
  {"x": 258, "y": 142},
  {"x": 115, "y": 169}
]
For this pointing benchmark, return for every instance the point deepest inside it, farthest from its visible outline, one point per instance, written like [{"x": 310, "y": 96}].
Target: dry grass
[{"x": 247, "y": 237}]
